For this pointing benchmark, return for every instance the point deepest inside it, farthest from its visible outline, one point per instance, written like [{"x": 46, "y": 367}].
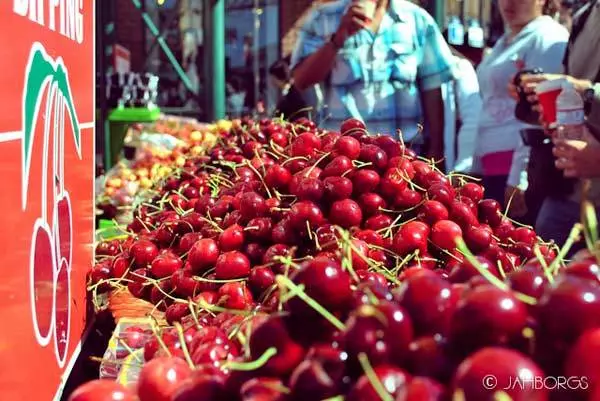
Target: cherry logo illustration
[{"x": 51, "y": 252}]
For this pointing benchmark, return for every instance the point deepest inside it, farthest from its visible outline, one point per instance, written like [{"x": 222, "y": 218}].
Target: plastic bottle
[
  {"x": 475, "y": 34},
  {"x": 456, "y": 31},
  {"x": 570, "y": 112}
]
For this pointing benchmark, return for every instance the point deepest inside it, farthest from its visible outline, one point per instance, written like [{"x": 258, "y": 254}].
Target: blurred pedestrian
[
  {"x": 386, "y": 69},
  {"x": 532, "y": 40}
]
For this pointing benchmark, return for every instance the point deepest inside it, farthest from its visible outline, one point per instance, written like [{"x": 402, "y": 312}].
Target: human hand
[
  {"x": 514, "y": 201},
  {"x": 577, "y": 158},
  {"x": 353, "y": 21}
]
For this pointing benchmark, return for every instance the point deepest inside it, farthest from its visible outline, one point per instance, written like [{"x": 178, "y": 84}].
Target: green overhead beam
[
  {"x": 440, "y": 13},
  {"x": 165, "y": 48},
  {"x": 214, "y": 58}
]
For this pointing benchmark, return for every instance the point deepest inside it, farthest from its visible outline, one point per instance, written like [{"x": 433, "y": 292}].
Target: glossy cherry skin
[
  {"x": 486, "y": 316},
  {"x": 325, "y": 282},
  {"x": 529, "y": 280},
  {"x": 271, "y": 332},
  {"x": 444, "y": 234},
  {"x": 429, "y": 300},
  {"x": 567, "y": 309},
  {"x": 429, "y": 356},
  {"x": 394, "y": 380},
  {"x": 583, "y": 360},
  {"x": 102, "y": 390},
  {"x": 383, "y": 332},
  {"x": 161, "y": 377},
  {"x": 500, "y": 368}
]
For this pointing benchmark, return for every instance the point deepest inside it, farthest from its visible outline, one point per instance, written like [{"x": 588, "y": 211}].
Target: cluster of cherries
[{"x": 298, "y": 264}]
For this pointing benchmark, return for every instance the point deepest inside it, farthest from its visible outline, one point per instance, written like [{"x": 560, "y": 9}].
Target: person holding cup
[
  {"x": 381, "y": 61},
  {"x": 533, "y": 40},
  {"x": 577, "y": 158}
]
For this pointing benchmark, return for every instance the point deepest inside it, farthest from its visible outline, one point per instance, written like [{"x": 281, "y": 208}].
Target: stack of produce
[
  {"x": 297, "y": 264},
  {"x": 159, "y": 148}
]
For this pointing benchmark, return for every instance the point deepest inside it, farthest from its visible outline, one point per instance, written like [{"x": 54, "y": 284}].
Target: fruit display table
[{"x": 292, "y": 263}]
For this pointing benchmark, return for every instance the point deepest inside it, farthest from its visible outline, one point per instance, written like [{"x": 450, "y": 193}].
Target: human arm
[
  {"x": 469, "y": 107},
  {"x": 578, "y": 158},
  {"x": 434, "y": 69},
  {"x": 315, "y": 52}
]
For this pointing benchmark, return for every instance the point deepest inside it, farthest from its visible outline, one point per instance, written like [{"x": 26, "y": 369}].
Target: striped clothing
[{"x": 377, "y": 77}]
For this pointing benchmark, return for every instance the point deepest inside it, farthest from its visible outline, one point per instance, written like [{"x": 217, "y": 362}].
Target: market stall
[{"x": 292, "y": 263}]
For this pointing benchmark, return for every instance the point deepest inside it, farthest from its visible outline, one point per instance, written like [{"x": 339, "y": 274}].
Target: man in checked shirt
[{"x": 386, "y": 71}]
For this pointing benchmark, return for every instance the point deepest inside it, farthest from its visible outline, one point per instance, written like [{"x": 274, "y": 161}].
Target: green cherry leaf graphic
[{"x": 42, "y": 71}]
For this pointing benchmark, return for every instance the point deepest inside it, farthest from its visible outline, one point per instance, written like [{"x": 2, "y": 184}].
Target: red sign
[{"x": 46, "y": 201}]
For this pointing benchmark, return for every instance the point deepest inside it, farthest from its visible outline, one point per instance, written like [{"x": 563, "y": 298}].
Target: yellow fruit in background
[
  {"x": 114, "y": 182},
  {"x": 110, "y": 191},
  {"x": 132, "y": 177},
  {"x": 145, "y": 183},
  {"x": 197, "y": 150},
  {"x": 143, "y": 172},
  {"x": 180, "y": 161},
  {"x": 196, "y": 136}
]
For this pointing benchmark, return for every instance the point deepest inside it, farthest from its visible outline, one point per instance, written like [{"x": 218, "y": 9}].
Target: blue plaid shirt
[{"x": 377, "y": 77}]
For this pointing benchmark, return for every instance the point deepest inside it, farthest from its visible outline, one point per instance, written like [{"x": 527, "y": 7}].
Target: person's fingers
[
  {"x": 571, "y": 173},
  {"x": 563, "y": 163}
]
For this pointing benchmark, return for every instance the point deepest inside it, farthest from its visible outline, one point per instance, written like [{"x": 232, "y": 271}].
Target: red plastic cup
[{"x": 547, "y": 93}]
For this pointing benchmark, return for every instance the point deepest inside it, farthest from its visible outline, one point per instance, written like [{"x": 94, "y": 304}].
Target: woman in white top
[
  {"x": 532, "y": 40},
  {"x": 462, "y": 107}
]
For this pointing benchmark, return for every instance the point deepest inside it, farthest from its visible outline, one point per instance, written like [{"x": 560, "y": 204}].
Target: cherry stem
[
  {"x": 312, "y": 168},
  {"x": 260, "y": 177},
  {"x": 462, "y": 247},
  {"x": 253, "y": 365},
  {"x": 184, "y": 348},
  {"x": 573, "y": 236},
  {"x": 542, "y": 260},
  {"x": 590, "y": 224},
  {"x": 373, "y": 379},
  {"x": 291, "y": 286}
]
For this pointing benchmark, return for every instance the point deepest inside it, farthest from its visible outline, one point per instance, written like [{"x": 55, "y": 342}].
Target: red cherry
[
  {"x": 365, "y": 180},
  {"x": 430, "y": 356},
  {"x": 375, "y": 155},
  {"x": 487, "y": 316},
  {"x": 324, "y": 281},
  {"x": 444, "y": 234},
  {"x": 303, "y": 212},
  {"x": 306, "y": 144},
  {"x": 371, "y": 203},
  {"x": 165, "y": 264},
  {"x": 472, "y": 191},
  {"x": 394, "y": 380},
  {"x": 432, "y": 211},
  {"x": 337, "y": 167},
  {"x": 442, "y": 193},
  {"x": 585, "y": 269},
  {"x": 278, "y": 177},
  {"x": 235, "y": 295},
  {"x": 528, "y": 280},
  {"x": 429, "y": 300},
  {"x": 490, "y": 212},
  {"x": 478, "y": 238},
  {"x": 461, "y": 214},
  {"x": 307, "y": 188},
  {"x": 261, "y": 279},
  {"x": 347, "y": 146},
  {"x": 232, "y": 265},
  {"x": 161, "y": 377},
  {"x": 378, "y": 222},
  {"x": 337, "y": 188},
  {"x": 351, "y": 126},
  {"x": 506, "y": 368},
  {"x": 102, "y": 390},
  {"x": 525, "y": 235},
  {"x": 584, "y": 359},
  {"x": 345, "y": 213},
  {"x": 411, "y": 237},
  {"x": 232, "y": 238},
  {"x": 203, "y": 255},
  {"x": 143, "y": 253}
]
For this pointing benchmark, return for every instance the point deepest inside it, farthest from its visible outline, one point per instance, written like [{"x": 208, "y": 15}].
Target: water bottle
[
  {"x": 475, "y": 35},
  {"x": 570, "y": 114},
  {"x": 456, "y": 32}
]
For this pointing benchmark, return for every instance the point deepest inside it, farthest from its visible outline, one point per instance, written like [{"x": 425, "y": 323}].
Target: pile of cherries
[{"x": 293, "y": 263}]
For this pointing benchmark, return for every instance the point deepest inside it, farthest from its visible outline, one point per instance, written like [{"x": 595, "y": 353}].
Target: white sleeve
[
  {"x": 518, "y": 171},
  {"x": 469, "y": 107}
]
